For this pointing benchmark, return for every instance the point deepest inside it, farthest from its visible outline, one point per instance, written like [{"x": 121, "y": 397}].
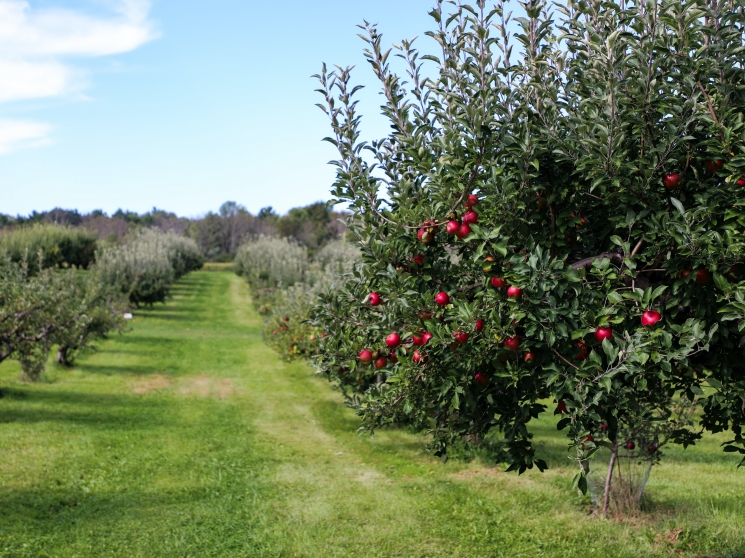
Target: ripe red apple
[
  {"x": 479, "y": 325},
  {"x": 418, "y": 358},
  {"x": 604, "y": 427},
  {"x": 471, "y": 201},
  {"x": 562, "y": 408},
  {"x": 629, "y": 445},
  {"x": 602, "y": 333},
  {"x": 588, "y": 438},
  {"x": 442, "y": 298},
  {"x": 498, "y": 282},
  {"x": 374, "y": 299},
  {"x": 702, "y": 276},
  {"x": 481, "y": 378},
  {"x": 684, "y": 273},
  {"x": 464, "y": 231},
  {"x": 650, "y": 317},
  {"x": 418, "y": 339},
  {"x": 584, "y": 351},
  {"x": 393, "y": 358},
  {"x": 512, "y": 343},
  {"x": 672, "y": 180},
  {"x": 540, "y": 201},
  {"x": 714, "y": 166},
  {"x": 365, "y": 356},
  {"x": 529, "y": 357},
  {"x": 393, "y": 340},
  {"x": 380, "y": 362},
  {"x": 652, "y": 448},
  {"x": 514, "y": 292},
  {"x": 471, "y": 217},
  {"x": 741, "y": 182},
  {"x": 460, "y": 336},
  {"x": 418, "y": 259},
  {"x": 453, "y": 227},
  {"x": 426, "y": 337},
  {"x": 425, "y": 235}
]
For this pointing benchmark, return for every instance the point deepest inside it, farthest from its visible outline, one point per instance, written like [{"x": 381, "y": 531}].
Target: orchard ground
[{"x": 187, "y": 436}]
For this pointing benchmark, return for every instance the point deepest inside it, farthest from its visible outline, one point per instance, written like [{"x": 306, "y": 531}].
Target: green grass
[{"x": 188, "y": 437}]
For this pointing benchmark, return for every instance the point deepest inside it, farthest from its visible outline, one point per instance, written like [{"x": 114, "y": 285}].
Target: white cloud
[
  {"x": 16, "y": 134},
  {"x": 36, "y": 46}
]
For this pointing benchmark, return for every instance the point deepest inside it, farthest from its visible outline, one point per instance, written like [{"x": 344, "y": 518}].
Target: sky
[{"x": 178, "y": 104}]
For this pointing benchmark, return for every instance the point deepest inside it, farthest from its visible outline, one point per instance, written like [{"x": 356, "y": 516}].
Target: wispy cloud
[{"x": 38, "y": 46}]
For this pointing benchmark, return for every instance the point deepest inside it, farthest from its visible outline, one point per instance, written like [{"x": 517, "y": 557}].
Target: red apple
[
  {"x": 464, "y": 231},
  {"x": 529, "y": 357},
  {"x": 418, "y": 259},
  {"x": 453, "y": 227},
  {"x": 588, "y": 438},
  {"x": 380, "y": 362},
  {"x": 650, "y": 317},
  {"x": 460, "y": 336},
  {"x": 481, "y": 378},
  {"x": 442, "y": 298},
  {"x": 393, "y": 358},
  {"x": 426, "y": 337},
  {"x": 514, "y": 292},
  {"x": 471, "y": 201},
  {"x": 562, "y": 408},
  {"x": 471, "y": 217},
  {"x": 374, "y": 299},
  {"x": 393, "y": 340},
  {"x": 629, "y": 445},
  {"x": 672, "y": 180},
  {"x": 540, "y": 201},
  {"x": 714, "y": 166},
  {"x": 741, "y": 182},
  {"x": 425, "y": 235},
  {"x": 702, "y": 276},
  {"x": 418, "y": 358},
  {"x": 652, "y": 448},
  {"x": 583, "y": 353},
  {"x": 684, "y": 273},
  {"x": 418, "y": 339},
  {"x": 498, "y": 282},
  {"x": 479, "y": 325},
  {"x": 365, "y": 356},
  {"x": 604, "y": 427},
  {"x": 602, "y": 333},
  {"x": 512, "y": 343}
]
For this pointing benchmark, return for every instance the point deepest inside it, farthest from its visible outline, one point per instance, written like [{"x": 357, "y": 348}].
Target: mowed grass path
[{"x": 187, "y": 437}]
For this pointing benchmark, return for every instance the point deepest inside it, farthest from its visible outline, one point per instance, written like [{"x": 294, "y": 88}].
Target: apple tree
[{"x": 556, "y": 214}]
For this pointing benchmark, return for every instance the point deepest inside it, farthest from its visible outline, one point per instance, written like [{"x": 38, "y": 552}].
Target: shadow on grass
[{"x": 112, "y": 412}]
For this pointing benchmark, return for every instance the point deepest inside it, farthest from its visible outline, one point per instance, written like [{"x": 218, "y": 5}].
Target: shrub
[
  {"x": 268, "y": 262},
  {"x": 60, "y": 246},
  {"x": 145, "y": 267},
  {"x": 605, "y": 164}
]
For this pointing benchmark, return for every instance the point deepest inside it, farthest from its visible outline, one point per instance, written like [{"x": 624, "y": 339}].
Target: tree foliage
[{"x": 602, "y": 163}]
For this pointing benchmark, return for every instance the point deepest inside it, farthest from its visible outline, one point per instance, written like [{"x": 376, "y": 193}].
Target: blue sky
[{"x": 180, "y": 105}]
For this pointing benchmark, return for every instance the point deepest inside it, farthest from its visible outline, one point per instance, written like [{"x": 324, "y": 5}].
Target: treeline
[
  {"x": 217, "y": 234},
  {"x": 42, "y": 305}
]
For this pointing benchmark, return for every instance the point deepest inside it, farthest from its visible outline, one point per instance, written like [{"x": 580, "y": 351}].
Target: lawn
[{"x": 187, "y": 437}]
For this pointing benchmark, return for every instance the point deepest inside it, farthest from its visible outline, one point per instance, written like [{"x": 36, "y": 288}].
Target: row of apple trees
[
  {"x": 42, "y": 306},
  {"x": 285, "y": 284},
  {"x": 557, "y": 215}
]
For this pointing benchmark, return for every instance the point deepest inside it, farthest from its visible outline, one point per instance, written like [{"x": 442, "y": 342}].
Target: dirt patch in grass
[
  {"x": 468, "y": 474},
  {"x": 205, "y": 386},
  {"x": 144, "y": 386}
]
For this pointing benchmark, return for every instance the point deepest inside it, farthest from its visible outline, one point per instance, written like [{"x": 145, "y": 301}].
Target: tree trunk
[
  {"x": 62, "y": 356},
  {"x": 608, "y": 479}
]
